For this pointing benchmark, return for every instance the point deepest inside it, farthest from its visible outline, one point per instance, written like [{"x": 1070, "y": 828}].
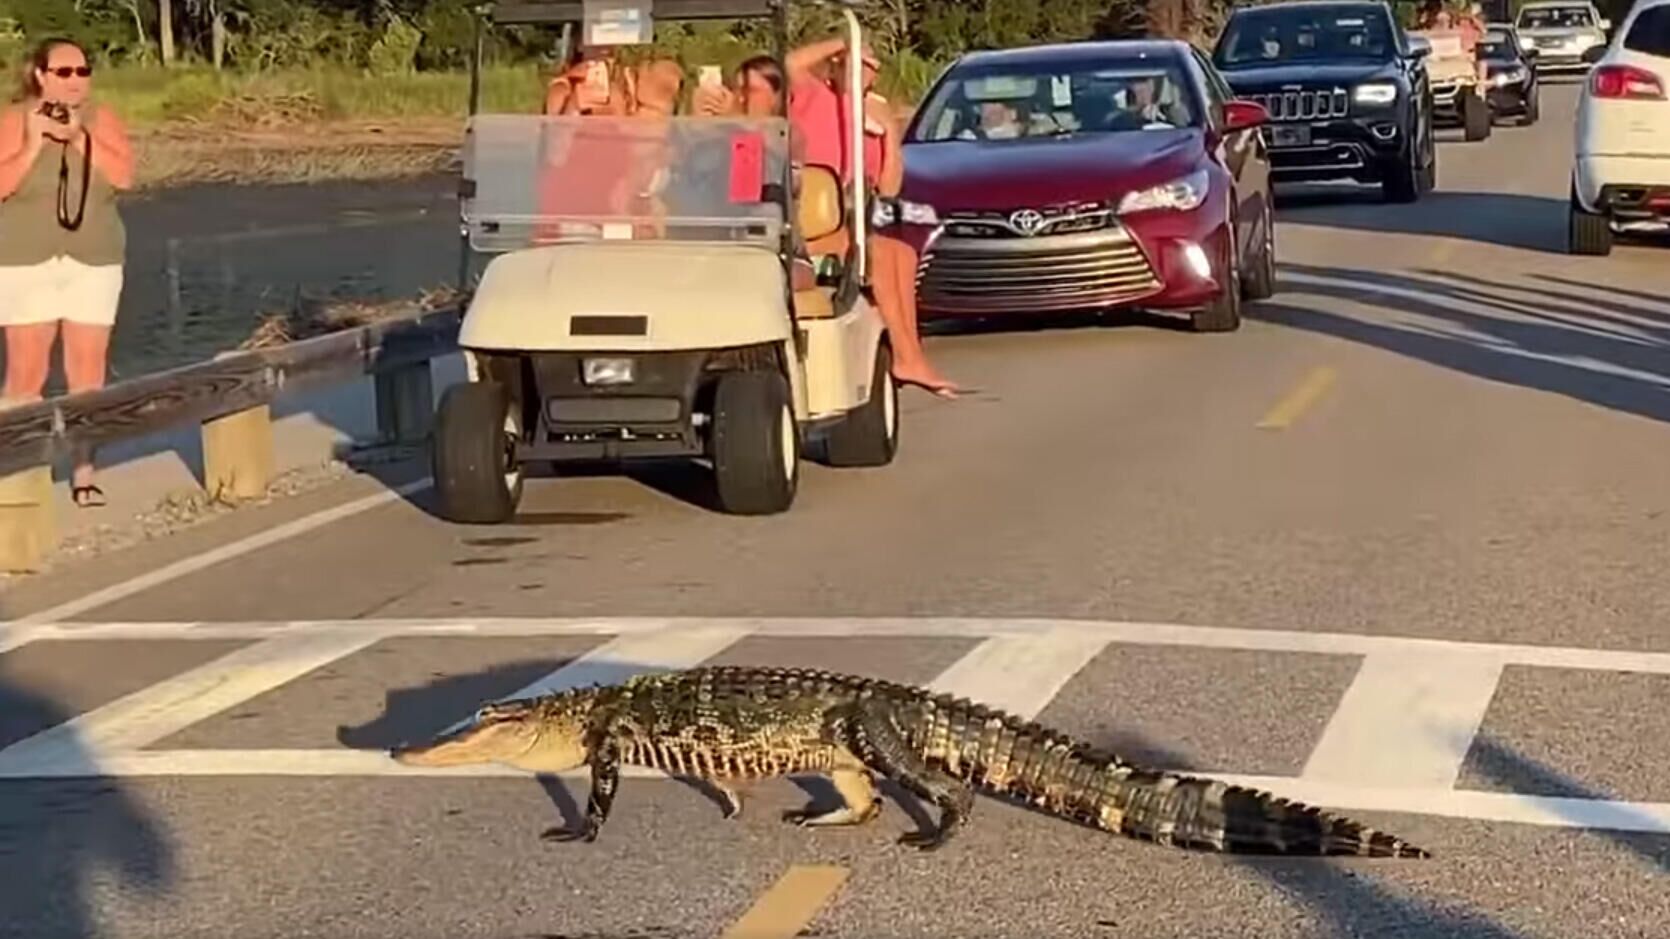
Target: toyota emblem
[{"x": 1026, "y": 221}]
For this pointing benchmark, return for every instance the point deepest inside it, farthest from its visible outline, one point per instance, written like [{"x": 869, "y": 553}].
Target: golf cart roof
[{"x": 526, "y": 12}]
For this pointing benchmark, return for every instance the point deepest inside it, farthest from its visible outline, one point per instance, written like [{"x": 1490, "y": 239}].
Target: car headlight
[
  {"x": 1375, "y": 93},
  {"x": 911, "y": 213},
  {"x": 1508, "y": 76},
  {"x": 1180, "y": 194}
]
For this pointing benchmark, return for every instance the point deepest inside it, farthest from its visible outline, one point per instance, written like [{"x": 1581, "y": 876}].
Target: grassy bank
[
  {"x": 304, "y": 125},
  {"x": 152, "y": 98}
]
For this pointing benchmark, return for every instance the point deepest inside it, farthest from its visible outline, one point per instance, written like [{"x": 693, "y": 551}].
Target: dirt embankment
[{"x": 186, "y": 153}]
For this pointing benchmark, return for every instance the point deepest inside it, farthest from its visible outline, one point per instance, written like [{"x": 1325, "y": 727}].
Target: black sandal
[{"x": 84, "y": 496}]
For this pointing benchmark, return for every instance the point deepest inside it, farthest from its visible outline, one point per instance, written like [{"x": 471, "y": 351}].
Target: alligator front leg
[
  {"x": 878, "y": 741},
  {"x": 605, "y": 779}
]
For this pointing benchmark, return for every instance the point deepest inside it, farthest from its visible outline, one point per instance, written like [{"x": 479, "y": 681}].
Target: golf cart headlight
[
  {"x": 607, "y": 371},
  {"x": 1375, "y": 93},
  {"x": 1180, "y": 194}
]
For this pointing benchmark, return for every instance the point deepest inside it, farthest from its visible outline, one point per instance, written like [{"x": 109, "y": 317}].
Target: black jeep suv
[{"x": 1346, "y": 88}]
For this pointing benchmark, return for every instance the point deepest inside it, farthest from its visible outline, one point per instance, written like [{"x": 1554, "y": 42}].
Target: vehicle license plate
[{"x": 1298, "y": 136}]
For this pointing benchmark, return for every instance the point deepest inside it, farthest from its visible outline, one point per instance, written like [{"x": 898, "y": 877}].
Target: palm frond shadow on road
[
  {"x": 58, "y": 837},
  {"x": 1619, "y": 372}
]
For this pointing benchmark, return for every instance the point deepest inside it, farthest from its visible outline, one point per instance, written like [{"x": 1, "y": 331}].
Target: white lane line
[
  {"x": 613, "y": 662},
  {"x": 226, "y": 552},
  {"x": 1164, "y": 634},
  {"x": 1406, "y": 720},
  {"x": 1550, "y": 811},
  {"x": 1019, "y": 674},
  {"x": 168, "y": 706},
  {"x": 1547, "y": 811}
]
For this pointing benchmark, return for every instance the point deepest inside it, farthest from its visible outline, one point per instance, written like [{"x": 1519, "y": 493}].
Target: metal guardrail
[{"x": 230, "y": 397}]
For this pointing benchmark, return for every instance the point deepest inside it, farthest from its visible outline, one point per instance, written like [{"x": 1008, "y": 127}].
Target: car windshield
[
  {"x": 541, "y": 179},
  {"x": 1011, "y": 102},
  {"x": 1266, "y": 35},
  {"x": 1555, "y": 18},
  {"x": 1496, "y": 45}
]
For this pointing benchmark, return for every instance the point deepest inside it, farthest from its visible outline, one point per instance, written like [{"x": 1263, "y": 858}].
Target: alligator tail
[{"x": 1191, "y": 812}]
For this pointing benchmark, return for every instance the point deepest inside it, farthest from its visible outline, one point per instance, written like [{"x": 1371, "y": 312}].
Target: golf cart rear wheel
[
  {"x": 477, "y": 478},
  {"x": 1475, "y": 113},
  {"x": 755, "y": 444},
  {"x": 869, "y": 435}
]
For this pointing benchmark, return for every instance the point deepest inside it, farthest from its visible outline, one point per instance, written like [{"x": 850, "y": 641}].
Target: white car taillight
[{"x": 1625, "y": 82}]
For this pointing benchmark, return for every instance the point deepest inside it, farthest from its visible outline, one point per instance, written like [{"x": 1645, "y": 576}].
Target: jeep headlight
[
  {"x": 1180, "y": 194},
  {"x": 1375, "y": 93}
]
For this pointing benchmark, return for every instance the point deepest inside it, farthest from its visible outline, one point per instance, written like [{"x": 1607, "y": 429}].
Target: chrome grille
[
  {"x": 1084, "y": 270},
  {"x": 1309, "y": 105},
  {"x": 1061, "y": 219}
]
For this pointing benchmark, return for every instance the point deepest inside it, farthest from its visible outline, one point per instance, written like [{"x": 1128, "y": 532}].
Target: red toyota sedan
[{"x": 1088, "y": 176}]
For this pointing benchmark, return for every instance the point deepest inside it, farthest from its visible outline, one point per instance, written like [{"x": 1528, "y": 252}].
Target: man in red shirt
[{"x": 817, "y": 113}]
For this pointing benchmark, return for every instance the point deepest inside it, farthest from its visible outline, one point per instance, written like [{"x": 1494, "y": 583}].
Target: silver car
[{"x": 1561, "y": 31}]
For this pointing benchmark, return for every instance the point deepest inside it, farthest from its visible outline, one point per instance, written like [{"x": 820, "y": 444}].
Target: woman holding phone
[{"x": 63, "y": 159}]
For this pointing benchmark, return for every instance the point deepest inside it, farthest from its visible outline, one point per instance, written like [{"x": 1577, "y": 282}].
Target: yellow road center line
[
  {"x": 1297, "y": 401},
  {"x": 784, "y": 910}
]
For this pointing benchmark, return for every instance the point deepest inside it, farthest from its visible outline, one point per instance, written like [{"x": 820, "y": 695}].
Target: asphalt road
[{"x": 1364, "y": 550}]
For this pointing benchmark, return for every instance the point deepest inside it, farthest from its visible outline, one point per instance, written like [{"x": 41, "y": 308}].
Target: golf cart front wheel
[
  {"x": 869, "y": 435},
  {"x": 477, "y": 478},
  {"x": 755, "y": 444}
]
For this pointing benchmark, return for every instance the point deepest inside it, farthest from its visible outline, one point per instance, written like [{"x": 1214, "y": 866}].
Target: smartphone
[
  {"x": 747, "y": 167},
  {"x": 710, "y": 77},
  {"x": 871, "y": 127}
]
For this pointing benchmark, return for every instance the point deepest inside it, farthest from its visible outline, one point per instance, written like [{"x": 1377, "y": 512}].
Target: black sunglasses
[{"x": 65, "y": 71}]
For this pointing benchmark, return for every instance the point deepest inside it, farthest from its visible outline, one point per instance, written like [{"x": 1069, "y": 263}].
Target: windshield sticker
[
  {"x": 999, "y": 86},
  {"x": 1061, "y": 90}
]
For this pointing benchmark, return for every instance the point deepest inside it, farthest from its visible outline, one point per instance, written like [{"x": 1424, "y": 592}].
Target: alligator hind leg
[
  {"x": 883, "y": 747},
  {"x": 859, "y": 802}
]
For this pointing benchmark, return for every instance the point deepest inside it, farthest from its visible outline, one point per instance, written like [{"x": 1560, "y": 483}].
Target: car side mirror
[
  {"x": 1528, "y": 53},
  {"x": 1244, "y": 115},
  {"x": 1419, "y": 47},
  {"x": 1594, "y": 54},
  {"x": 1605, "y": 26}
]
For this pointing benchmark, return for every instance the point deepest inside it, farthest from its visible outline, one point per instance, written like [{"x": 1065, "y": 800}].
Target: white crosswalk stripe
[{"x": 1395, "y": 742}]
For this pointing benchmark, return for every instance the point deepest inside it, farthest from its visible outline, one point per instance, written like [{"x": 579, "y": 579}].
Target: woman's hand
[{"x": 38, "y": 125}]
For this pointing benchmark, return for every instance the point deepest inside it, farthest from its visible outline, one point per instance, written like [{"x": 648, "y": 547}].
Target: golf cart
[
  {"x": 647, "y": 297},
  {"x": 1460, "y": 81}
]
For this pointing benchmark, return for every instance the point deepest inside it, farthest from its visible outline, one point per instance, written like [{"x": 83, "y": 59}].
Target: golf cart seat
[{"x": 820, "y": 215}]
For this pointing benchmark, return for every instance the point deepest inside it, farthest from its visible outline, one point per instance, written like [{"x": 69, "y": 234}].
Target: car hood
[
  {"x": 1260, "y": 79},
  {"x": 972, "y": 174}
]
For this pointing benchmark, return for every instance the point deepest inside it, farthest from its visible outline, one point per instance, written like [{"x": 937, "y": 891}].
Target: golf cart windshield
[{"x": 535, "y": 179}]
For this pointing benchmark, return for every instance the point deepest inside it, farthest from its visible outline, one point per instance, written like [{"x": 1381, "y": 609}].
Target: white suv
[
  {"x": 1622, "y": 178},
  {"x": 1561, "y": 31}
]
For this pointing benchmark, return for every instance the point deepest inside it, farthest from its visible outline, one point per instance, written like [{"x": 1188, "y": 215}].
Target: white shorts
[{"x": 60, "y": 289}]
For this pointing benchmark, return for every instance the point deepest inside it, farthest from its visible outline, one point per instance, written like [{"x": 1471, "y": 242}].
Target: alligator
[{"x": 725, "y": 725}]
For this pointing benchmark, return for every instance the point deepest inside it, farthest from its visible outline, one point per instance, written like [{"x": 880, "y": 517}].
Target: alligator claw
[
  {"x": 559, "y": 835},
  {"x": 923, "y": 841}
]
